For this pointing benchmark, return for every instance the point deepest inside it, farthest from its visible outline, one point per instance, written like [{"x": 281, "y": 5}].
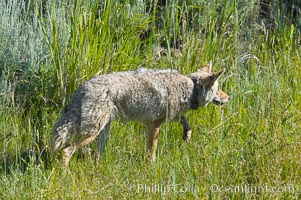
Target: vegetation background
[{"x": 248, "y": 149}]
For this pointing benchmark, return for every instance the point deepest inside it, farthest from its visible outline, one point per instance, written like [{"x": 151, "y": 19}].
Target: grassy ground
[{"x": 248, "y": 149}]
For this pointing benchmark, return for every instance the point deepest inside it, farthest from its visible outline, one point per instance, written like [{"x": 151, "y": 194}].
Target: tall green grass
[{"x": 48, "y": 48}]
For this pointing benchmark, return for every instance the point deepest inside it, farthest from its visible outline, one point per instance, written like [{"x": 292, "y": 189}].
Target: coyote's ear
[
  {"x": 213, "y": 77},
  {"x": 206, "y": 68}
]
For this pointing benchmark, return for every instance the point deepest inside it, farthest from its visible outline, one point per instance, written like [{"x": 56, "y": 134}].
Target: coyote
[{"x": 145, "y": 95}]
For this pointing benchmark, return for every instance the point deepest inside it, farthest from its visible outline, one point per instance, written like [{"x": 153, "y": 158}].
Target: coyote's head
[{"x": 206, "y": 88}]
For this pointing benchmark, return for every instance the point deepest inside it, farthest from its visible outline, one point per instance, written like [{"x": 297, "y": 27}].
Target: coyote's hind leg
[
  {"x": 84, "y": 140},
  {"x": 103, "y": 136},
  {"x": 87, "y": 134}
]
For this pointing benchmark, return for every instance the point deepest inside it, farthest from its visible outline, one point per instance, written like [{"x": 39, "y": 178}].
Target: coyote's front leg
[
  {"x": 186, "y": 129},
  {"x": 152, "y": 133}
]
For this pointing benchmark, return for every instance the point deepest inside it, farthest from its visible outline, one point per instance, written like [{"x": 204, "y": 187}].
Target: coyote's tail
[
  {"x": 61, "y": 134},
  {"x": 69, "y": 123}
]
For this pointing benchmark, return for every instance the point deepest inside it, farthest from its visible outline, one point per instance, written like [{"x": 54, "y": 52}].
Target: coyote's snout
[{"x": 145, "y": 95}]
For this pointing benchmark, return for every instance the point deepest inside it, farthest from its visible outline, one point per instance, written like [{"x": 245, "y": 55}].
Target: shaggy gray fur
[{"x": 145, "y": 95}]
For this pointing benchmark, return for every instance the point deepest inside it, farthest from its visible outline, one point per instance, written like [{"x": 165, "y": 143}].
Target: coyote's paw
[{"x": 187, "y": 135}]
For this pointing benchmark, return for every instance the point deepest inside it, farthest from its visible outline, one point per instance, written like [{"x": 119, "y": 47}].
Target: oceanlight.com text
[{"x": 253, "y": 189}]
